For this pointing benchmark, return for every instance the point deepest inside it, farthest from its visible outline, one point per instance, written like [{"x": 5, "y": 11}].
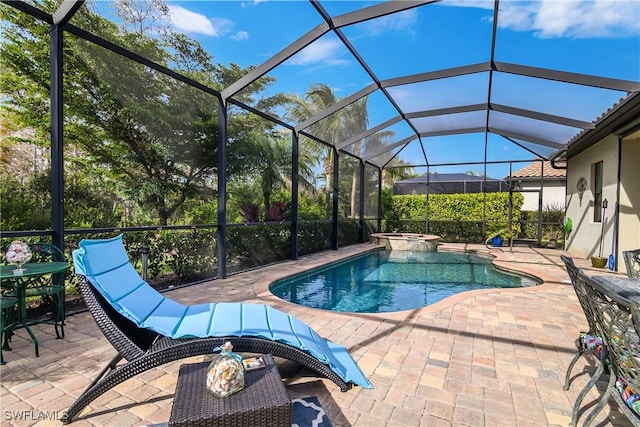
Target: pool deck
[{"x": 492, "y": 357}]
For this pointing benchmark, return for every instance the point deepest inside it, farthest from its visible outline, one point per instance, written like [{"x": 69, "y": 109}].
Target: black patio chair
[
  {"x": 588, "y": 342},
  {"x": 139, "y": 323},
  {"x": 618, "y": 321},
  {"x": 8, "y": 306},
  {"x": 50, "y": 288},
  {"x": 632, "y": 263}
]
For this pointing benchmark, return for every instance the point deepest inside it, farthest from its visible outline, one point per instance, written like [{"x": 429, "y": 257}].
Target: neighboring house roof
[
  {"x": 448, "y": 183},
  {"x": 447, "y": 177},
  {"x": 535, "y": 169}
]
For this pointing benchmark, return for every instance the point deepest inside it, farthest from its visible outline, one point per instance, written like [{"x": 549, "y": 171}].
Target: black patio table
[{"x": 621, "y": 286}]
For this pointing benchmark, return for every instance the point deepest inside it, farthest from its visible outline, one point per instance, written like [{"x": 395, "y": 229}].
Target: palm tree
[
  {"x": 340, "y": 126},
  {"x": 318, "y": 98},
  {"x": 396, "y": 170},
  {"x": 275, "y": 164},
  {"x": 356, "y": 121},
  {"x": 273, "y": 157},
  {"x": 357, "y": 117}
]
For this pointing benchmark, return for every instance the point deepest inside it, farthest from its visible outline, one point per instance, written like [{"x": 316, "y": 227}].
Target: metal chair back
[{"x": 632, "y": 263}]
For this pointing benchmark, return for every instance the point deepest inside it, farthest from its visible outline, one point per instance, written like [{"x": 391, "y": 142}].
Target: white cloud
[
  {"x": 398, "y": 22},
  {"x": 222, "y": 25},
  {"x": 191, "y": 22},
  {"x": 564, "y": 18},
  {"x": 554, "y": 19},
  {"x": 322, "y": 51},
  {"x": 240, "y": 36},
  {"x": 575, "y": 18},
  {"x": 252, "y": 3},
  {"x": 518, "y": 17},
  {"x": 398, "y": 92},
  {"x": 188, "y": 21}
]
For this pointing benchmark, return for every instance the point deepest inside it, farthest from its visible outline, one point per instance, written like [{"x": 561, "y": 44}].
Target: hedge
[{"x": 454, "y": 217}]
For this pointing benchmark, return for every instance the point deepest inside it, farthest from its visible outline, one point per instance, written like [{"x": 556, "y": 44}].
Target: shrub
[{"x": 454, "y": 217}]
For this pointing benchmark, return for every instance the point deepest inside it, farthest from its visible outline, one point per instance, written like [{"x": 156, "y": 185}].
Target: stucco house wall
[
  {"x": 540, "y": 175},
  {"x": 585, "y": 240},
  {"x": 629, "y": 234},
  {"x": 553, "y": 194},
  {"x": 614, "y": 140}
]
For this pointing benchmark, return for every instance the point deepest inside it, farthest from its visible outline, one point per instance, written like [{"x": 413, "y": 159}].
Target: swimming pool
[{"x": 386, "y": 281}]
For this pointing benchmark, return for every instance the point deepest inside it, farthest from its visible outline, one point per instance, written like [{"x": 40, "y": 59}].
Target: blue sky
[
  {"x": 248, "y": 33},
  {"x": 599, "y": 37}
]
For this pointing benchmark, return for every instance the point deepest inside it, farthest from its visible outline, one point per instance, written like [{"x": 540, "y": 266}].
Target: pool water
[{"x": 386, "y": 281}]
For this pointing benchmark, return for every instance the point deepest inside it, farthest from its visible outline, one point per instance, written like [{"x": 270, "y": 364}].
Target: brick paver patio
[{"x": 482, "y": 358}]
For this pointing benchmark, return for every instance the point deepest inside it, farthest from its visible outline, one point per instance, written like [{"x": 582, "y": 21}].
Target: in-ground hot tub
[{"x": 407, "y": 241}]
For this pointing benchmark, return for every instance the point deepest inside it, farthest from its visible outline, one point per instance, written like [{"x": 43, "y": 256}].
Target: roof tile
[{"x": 533, "y": 171}]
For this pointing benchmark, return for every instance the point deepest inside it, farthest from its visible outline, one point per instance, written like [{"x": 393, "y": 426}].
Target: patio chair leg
[
  {"x": 567, "y": 379},
  {"x": 6, "y": 324},
  {"x": 6, "y": 337},
  {"x": 58, "y": 307},
  {"x": 576, "y": 406},
  {"x": 603, "y": 400},
  {"x": 59, "y": 331},
  {"x": 33, "y": 338}
]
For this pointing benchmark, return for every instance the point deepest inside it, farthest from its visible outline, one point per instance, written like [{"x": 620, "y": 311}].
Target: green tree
[
  {"x": 271, "y": 156},
  {"x": 319, "y": 97},
  {"x": 396, "y": 170},
  {"x": 154, "y": 137},
  {"x": 334, "y": 129},
  {"x": 359, "y": 118}
]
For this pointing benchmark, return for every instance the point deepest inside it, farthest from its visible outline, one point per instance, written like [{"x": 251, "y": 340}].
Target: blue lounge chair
[{"x": 148, "y": 329}]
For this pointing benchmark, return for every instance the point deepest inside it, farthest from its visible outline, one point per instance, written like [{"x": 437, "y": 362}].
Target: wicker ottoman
[{"x": 262, "y": 402}]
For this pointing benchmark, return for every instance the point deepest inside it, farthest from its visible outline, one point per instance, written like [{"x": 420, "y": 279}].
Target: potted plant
[
  {"x": 551, "y": 237},
  {"x": 598, "y": 261}
]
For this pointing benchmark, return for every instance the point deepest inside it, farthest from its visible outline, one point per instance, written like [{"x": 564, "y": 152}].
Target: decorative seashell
[{"x": 225, "y": 375}]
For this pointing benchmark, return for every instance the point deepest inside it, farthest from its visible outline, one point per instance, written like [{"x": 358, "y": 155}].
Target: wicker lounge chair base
[
  {"x": 164, "y": 350},
  {"x": 148, "y": 329}
]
